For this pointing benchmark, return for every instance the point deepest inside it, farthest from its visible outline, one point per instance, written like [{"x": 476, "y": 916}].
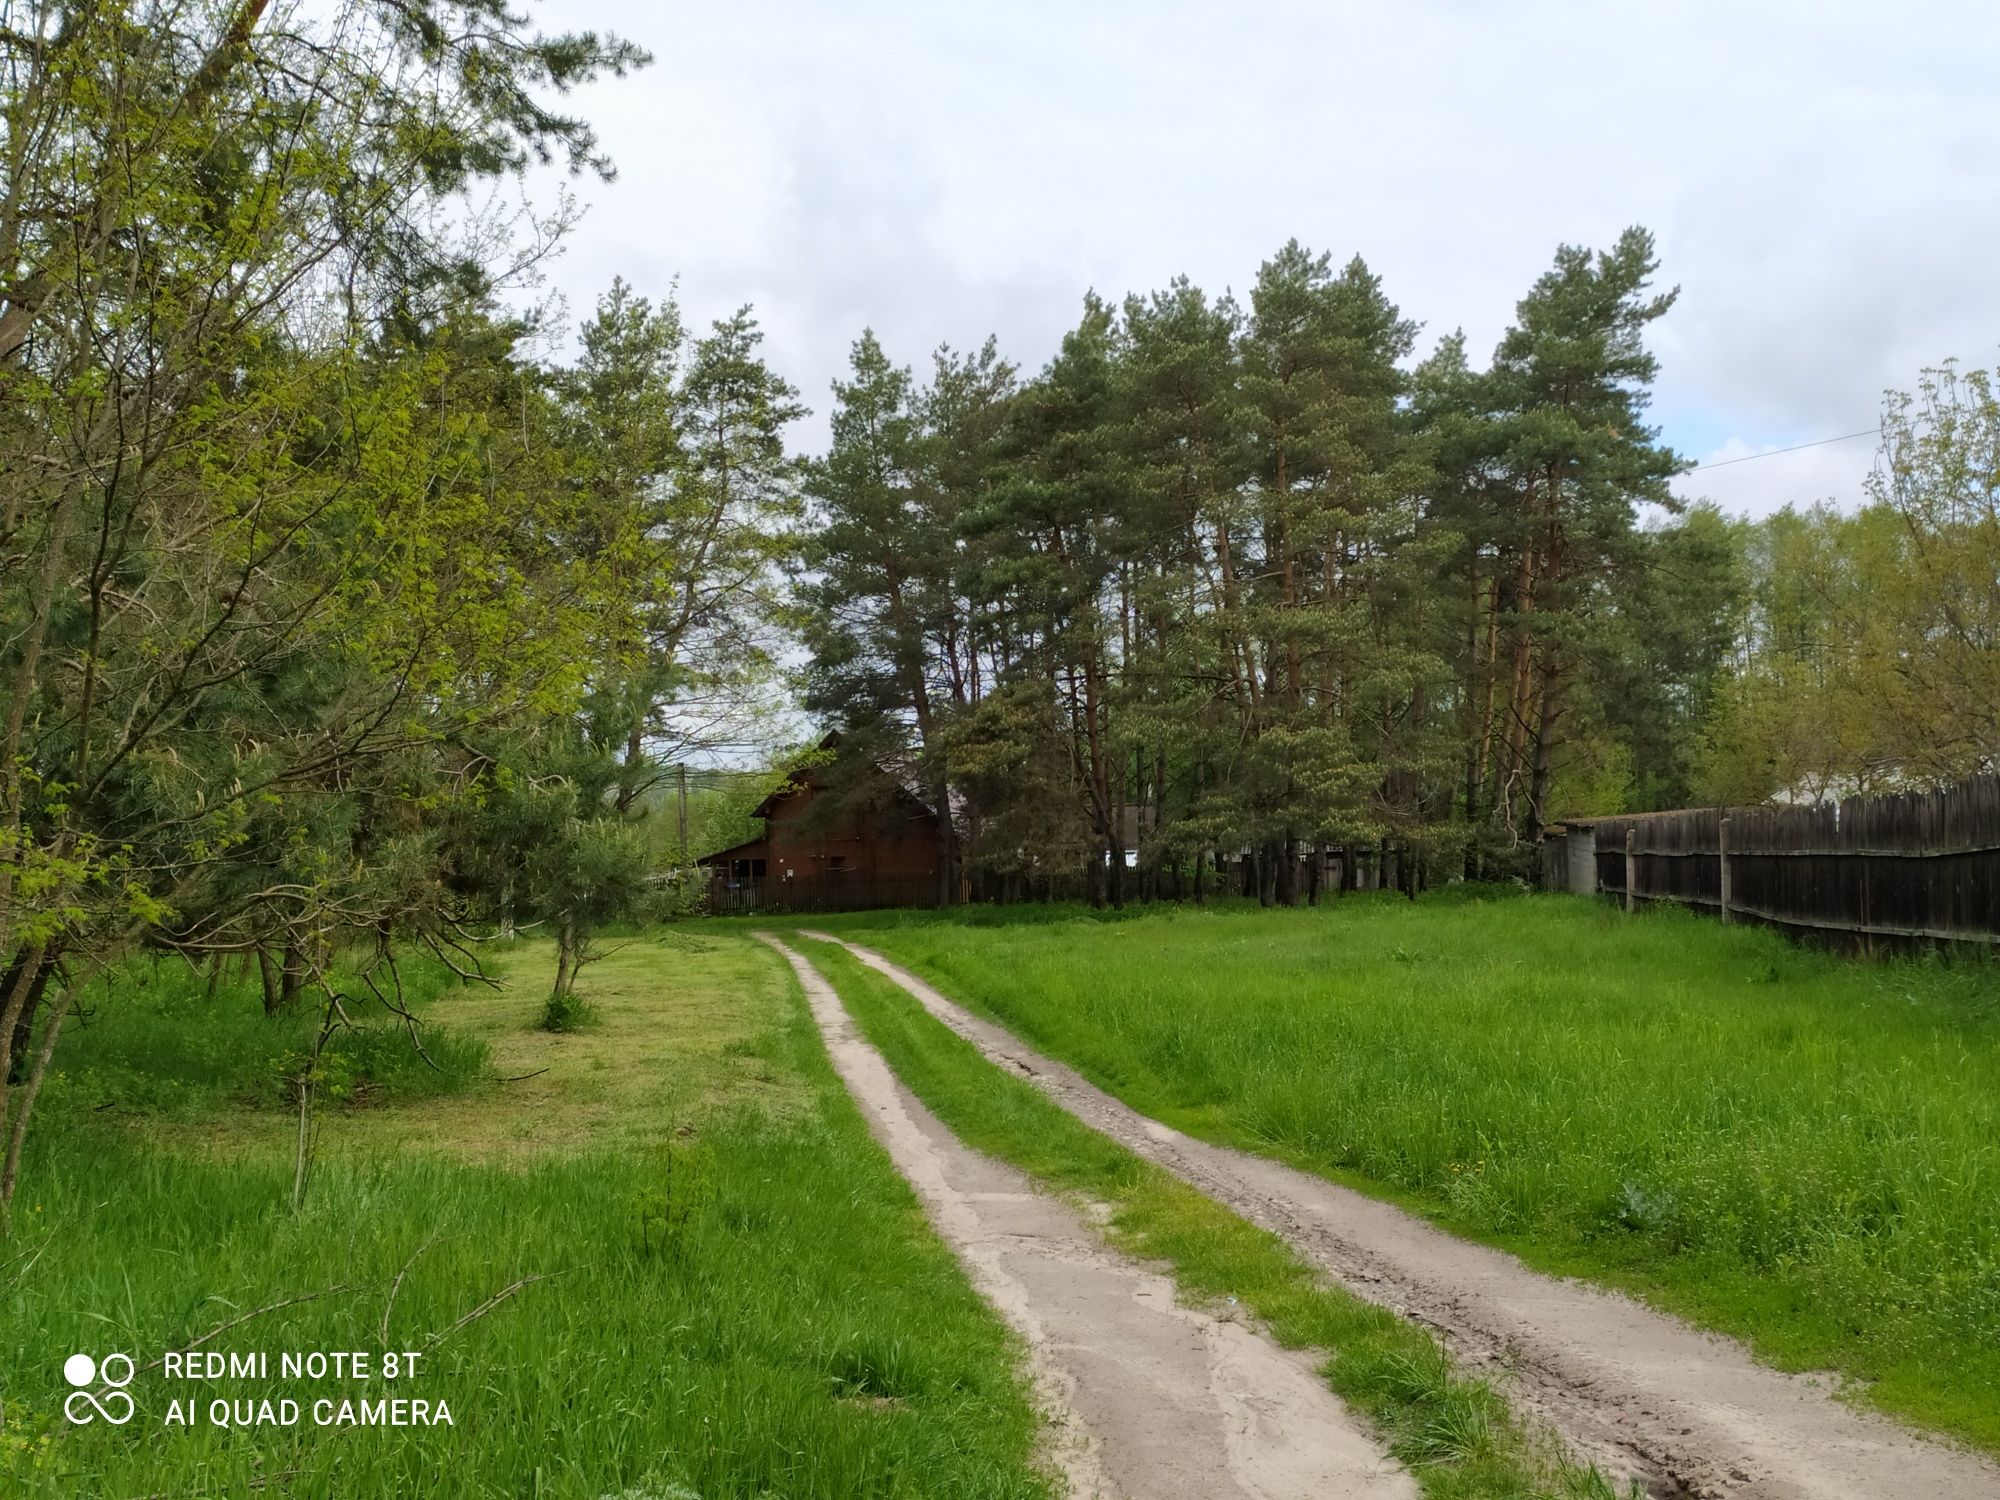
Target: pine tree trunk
[
  {"x": 1545, "y": 740},
  {"x": 947, "y": 889},
  {"x": 628, "y": 779},
  {"x": 1521, "y": 685},
  {"x": 1479, "y": 693}
]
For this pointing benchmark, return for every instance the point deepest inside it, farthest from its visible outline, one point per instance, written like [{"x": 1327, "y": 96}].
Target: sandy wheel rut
[
  {"x": 1631, "y": 1389},
  {"x": 1148, "y": 1400}
]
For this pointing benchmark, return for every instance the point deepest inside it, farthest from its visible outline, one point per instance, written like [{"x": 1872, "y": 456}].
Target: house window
[{"x": 835, "y": 863}]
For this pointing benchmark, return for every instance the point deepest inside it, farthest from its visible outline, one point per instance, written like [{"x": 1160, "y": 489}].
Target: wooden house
[{"x": 827, "y": 850}]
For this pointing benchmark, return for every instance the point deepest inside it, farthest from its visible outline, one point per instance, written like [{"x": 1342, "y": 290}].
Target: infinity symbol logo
[{"x": 114, "y": 1404}]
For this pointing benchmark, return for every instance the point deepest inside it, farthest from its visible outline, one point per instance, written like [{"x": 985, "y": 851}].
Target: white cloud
[{"x": 1818, "y": 176}]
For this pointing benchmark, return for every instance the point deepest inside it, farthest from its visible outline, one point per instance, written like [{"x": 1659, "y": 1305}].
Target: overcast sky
[{"x": 1823, "y": 180}]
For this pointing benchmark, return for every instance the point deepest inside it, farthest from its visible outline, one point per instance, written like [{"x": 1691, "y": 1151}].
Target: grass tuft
[{"x": 563, "y": 1014}]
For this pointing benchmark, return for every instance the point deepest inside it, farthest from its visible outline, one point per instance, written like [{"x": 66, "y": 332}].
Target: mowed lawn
[
  {"x": 1797, "y": 1148},
  {"x": 741, "y": 1298}
]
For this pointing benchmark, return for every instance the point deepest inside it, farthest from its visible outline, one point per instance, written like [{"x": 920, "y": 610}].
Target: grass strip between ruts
[{"x": 1454, "y": 1432}]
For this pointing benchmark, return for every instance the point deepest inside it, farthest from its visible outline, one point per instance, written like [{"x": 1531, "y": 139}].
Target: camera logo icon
[{"x": 113, "y": 1403}]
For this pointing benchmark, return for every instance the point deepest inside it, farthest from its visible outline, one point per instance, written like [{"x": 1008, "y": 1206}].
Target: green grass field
[
  {"x": 741, "y": 1297},
  {"x": 1793, "y": 1147}
]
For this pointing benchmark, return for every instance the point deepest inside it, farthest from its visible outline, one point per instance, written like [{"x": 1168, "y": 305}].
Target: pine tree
[
  {"x": 1184, "y": 456},
  {"x": 1569, "y": 385},
  {"x": 1051, "y": 523}
]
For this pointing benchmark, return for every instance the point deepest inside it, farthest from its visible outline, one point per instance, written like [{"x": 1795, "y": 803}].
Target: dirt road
[
  {"x": 1148, "y": 1400},
  {"x": 1631, "y": 1389}
]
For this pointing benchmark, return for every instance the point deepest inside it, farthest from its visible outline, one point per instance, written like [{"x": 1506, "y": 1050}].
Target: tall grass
[
  {"x": 1791, "y": 1146},
  {"x": 747, "y": 1307},
  {"x": 151, "y": 1037}
]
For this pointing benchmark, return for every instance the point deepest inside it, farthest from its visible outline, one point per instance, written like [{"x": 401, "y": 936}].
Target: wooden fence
[{"x": 1916, "y": 867}]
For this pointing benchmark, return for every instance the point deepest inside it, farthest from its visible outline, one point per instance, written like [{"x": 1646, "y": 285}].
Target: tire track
[{"x": 1631, "y": 1389}]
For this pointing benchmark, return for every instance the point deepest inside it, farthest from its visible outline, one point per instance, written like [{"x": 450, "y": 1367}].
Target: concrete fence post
[
  {"x": 1583, "y": 860},
  {"x": 1722, "y": 857},
  {"x": 1631, "y": 868}
]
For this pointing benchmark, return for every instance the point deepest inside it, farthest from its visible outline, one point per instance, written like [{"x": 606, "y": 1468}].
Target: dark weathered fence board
[
  {"x": 1909, "y": 866},
  {"x": 808, "y": 893}
]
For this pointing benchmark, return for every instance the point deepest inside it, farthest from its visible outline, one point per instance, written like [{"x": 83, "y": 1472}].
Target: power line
[{"x": 1723, "y": 463}]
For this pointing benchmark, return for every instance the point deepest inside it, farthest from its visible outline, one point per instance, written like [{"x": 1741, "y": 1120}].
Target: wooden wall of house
[{"x": 895, "y": 843}]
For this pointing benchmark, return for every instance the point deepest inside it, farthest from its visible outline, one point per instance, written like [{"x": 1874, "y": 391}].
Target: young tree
[
  {"x": 1656, "y": 670},
  {"x": 622, "y": 433},
  {"x": 1939, "y": 477}
]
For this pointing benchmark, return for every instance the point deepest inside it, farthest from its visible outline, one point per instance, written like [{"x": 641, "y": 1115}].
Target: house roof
[
  {"x": 763, "y": 809},
  {"x": 732, "y": 851},
  {"x": 903, "y": 795},
  {"x": 830, "y": 741}
]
